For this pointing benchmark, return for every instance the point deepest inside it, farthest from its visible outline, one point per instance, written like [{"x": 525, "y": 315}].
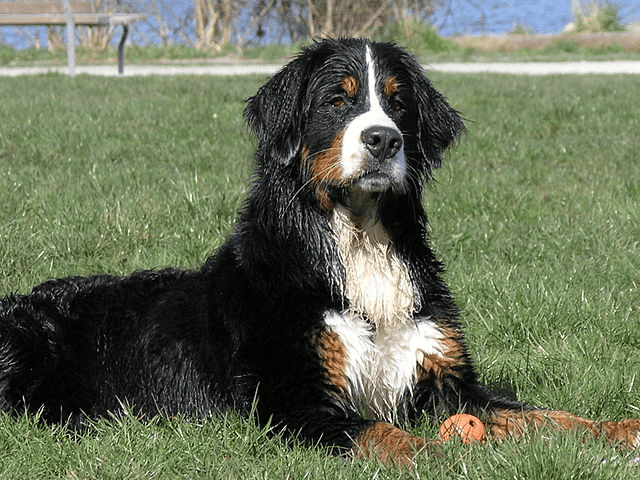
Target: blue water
[
  {"x": 456, "y": 17},
  {"x": 476, "y": 17}
]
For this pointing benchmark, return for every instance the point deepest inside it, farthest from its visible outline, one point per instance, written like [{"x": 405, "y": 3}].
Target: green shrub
[
  {"x": 600, "y": 17},
  {"x": 7, "y": 54},
  {"x": 565, "y": 45},
  {"x": 519, "y": 29}
]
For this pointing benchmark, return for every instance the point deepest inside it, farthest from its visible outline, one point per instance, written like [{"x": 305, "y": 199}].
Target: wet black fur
[{"x": 201, "y": 342}]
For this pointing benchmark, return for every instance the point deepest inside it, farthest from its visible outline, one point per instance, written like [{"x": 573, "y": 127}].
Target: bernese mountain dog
[{"x": 324, "y": 310}]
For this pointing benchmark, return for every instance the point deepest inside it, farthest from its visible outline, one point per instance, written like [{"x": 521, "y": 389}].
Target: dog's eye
[
  {"x": 398, "y": 105},
  {"x": 339, "y": 101}
]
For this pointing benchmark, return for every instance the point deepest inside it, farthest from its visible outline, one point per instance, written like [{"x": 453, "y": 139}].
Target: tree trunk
[
  {"x": 226, "y": 22},
  {"x": 206, "y": 19},
  {"x": 328, "y": 22}
]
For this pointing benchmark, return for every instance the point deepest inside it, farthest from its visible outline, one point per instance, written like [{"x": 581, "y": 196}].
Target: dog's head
[{"x": 354, "y": 116}]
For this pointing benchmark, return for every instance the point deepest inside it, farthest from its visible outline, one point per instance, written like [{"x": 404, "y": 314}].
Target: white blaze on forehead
[
  {"x": 374, "y": 101},
  {"x": 354, "y": 153}
]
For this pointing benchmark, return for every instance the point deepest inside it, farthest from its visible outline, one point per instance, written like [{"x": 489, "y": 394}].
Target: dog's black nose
[{"x": 382, "y": 142}]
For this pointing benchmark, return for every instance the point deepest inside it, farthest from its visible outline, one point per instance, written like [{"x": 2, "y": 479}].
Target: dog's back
[{"x": 89, "y": 346}]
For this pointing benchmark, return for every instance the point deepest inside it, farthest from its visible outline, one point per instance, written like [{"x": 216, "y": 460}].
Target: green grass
[
  {"x": 142, "y": 55},
  {"x": 102, "y": 175},
  {"x": 535, "y": 213}
]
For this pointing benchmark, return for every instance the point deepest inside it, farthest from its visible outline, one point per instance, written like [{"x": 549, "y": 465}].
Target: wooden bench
[{"x": 69, "y": 13}]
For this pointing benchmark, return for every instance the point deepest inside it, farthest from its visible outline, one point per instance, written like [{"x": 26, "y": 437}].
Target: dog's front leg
[
  {"x": 388, "y": 443},
  {"x": 448, "y": 382},
  {"x": 514, "y": 423},
  {"x": 342, "y": 430},
  {"x": 505, "y": 418}
]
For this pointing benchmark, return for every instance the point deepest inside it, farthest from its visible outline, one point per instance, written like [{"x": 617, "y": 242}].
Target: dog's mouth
[
  {"x": 373, "y": 181},
  {"x": 361, "y": 193},
  {"x": 378, "y": 178}
]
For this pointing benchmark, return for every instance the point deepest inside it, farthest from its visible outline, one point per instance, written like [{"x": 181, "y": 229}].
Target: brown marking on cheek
[
  {"x": 326, "y": 170},
  {"x": 333, "y": 356},
  {"x": 389, "y": 444},
  {"x": 350, "y": 85},
  {"x": 391, "y": 86},
  {"x": 437, "y": 367},
  {"x": 316, "y": 176},
  {"x": 326, "y": 203},
  {"x": 325, "y": 166},
  {"x": 304, "y": 153}
]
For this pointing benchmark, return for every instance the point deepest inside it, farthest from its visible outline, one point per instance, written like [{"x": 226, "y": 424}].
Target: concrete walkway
[
  {"x": 542, "y": 68},
  {"x": 515, "y": 68},
  {"x": 145, "y": 70}
]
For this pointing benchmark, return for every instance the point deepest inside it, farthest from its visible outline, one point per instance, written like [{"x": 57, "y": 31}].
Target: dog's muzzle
[{"x": 383, "y": 165}]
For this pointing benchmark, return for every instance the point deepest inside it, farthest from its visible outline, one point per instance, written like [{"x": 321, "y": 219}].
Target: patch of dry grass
[{"x": 625, "y": 41}]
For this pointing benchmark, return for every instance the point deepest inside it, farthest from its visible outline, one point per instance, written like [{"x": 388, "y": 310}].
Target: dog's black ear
[
  {"x": 438, "y": 123},
  {"x": 277, "y": 112}
]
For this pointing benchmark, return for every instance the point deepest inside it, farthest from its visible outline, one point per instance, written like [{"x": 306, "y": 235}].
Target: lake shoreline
[{"x": 512, "y": 43}]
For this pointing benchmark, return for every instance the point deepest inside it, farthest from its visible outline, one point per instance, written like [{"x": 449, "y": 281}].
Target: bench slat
[
  {"x": 54, "y": 19},
  {"x": 35, "y": 8},
  {"x": 79, "y": 19}
]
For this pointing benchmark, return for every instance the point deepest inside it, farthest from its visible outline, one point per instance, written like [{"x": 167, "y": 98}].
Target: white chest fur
[
  {"x": 377, "y": 282},
  {"x": 381, "y": 366},
  {"x": 384, "y": 343}
]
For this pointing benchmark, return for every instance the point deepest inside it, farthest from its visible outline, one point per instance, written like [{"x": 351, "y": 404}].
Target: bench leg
[
  {"x": 71, "y": 43},
  {"x": 125, "y": 32},
  {"x": 71, "y": 50}
]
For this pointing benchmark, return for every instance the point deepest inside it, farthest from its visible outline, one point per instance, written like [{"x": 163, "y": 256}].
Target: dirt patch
[{"x": 626, "y": 41}]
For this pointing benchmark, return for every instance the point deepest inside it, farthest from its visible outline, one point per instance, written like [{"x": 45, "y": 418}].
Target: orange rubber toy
[{"x": 467, "y": 427}]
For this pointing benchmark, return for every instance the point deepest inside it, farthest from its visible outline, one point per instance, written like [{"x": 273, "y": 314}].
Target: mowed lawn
[{"x": 536, "y": 214}]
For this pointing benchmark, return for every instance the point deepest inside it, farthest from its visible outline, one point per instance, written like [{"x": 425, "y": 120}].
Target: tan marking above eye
[
  {"x": 391, "y": 86},
  {"x": 350, "y": 85}
]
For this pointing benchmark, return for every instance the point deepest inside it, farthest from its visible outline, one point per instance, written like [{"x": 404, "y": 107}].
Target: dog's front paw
[
  {"x": 625, "y": 432},
  {"x": 389, "y": 444}
]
